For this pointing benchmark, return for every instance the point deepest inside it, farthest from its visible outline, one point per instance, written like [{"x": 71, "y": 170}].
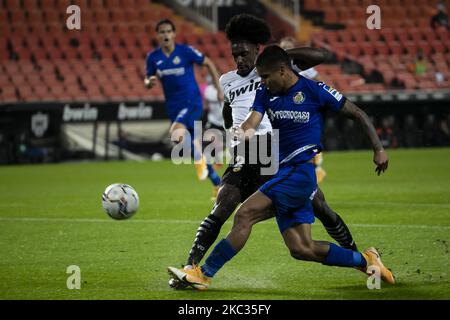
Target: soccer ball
[{"x": 120, "y": 201}]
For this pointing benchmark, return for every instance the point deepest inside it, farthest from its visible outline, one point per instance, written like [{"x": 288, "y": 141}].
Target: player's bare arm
[
  {"x": 247, "y": 128},
  {"x": 380, "y": 157},
  {"x": 215, "y": 76},
  {"x": 227, "y": 116},
  {"x": 150, "y": 82},
  {"x": 307, "y": 57}
]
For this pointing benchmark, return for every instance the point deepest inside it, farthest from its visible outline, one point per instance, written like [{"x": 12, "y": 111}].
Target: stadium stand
[
  {"x": 406, "y": 53},
  {"x": 41, "y": 60}
]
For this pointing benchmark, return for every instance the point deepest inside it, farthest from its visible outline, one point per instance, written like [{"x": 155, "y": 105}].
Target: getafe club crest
[
  {"x": 176, "y": 60},
  {"x": 299, "y": 97}
]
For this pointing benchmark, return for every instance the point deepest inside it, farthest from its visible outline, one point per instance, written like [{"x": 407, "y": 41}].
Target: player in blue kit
[
  {"x": 295, "y": 106},
  {"x": 173, "y": 64}
]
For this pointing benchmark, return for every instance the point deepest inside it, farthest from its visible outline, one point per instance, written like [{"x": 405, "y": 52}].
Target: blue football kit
[
  {"x": 176, "y": 72},
  {"x": 183, "y": 99},
  {"x": 298, "y": 115}
]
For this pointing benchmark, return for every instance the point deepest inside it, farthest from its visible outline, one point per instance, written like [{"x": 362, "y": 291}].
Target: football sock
[
  {"x": 339, "y": 231},
  {"x": 207, "y": 233},
  {"x": 222, "y": 253},
  {"x": 213, "y": 176},
  {"x": 342, "y": 257}
]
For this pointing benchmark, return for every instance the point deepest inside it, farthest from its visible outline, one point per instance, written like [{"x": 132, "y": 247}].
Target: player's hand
[
  {"x": 237, "y": 133},
  {"x": 380, "y": 158},
  {"x": 150, "y": 82}
]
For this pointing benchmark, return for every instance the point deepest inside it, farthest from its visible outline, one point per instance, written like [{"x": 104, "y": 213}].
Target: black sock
[
  {"x": 340, "y": 232},
  {"x": 207, "y": 233}
]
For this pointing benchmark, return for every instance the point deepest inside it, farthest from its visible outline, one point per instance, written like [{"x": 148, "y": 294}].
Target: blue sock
[
  {"x": 338, "y": 256},
  {"x": 222, "y": 253},
  {"x": 213, "y": 176}
]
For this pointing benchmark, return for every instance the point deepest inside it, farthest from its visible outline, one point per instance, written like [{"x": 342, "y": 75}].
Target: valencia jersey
[{"x": 240, "y": 92}]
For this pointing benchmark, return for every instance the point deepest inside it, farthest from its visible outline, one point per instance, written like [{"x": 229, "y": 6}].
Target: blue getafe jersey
[
  {"x": 177, "y": 75},
  {"x": 298, "y": 115}
]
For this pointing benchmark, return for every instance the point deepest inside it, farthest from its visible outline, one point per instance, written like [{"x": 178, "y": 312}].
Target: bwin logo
[{"x": 242, "y": 90}]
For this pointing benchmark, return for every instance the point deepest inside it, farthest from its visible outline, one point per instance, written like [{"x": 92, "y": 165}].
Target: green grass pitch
[{"x": 51, "y": 217}]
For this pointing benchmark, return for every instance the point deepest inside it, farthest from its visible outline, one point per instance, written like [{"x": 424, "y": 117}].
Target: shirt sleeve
[
  {"x": 222, "y": 87},
  {"x": 310, "y": 73},
  {"x": 258, "y": 103},
  {"x": 329, "y": 97},
  {"x": 149, "y": 66},
  {"x": 194, "y": 55}
]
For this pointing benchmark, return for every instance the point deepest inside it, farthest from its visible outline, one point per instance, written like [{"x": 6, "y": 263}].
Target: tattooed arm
[{"x": 380, "y": 157}]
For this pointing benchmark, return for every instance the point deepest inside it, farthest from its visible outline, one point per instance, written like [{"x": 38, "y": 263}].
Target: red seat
[
  {"x": 12, "y": 5},
  {"x": 395, "y": 48},
  {"x": 368, "y": 48},
  {"x": 381, "y": 48},
  {"x": 425, "y": 47},
  {"x": 113, "y": 4},
  {"x": 410, "y": 47},
  {"x": 353, "y": 49}
]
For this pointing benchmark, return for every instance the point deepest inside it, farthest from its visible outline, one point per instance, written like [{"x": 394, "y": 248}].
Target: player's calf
[{"x": 208, "y": 231}]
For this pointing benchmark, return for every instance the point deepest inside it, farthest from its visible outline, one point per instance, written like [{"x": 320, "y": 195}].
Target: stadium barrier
[{"x": 32, "y": 132}]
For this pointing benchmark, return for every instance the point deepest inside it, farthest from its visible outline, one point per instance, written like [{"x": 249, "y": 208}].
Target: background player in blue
[
  {"x": 295, "y": 106},
  {"x": 174, "y": 65}
]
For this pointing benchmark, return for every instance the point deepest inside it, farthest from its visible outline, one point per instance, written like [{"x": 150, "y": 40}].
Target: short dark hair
[
  {"x": 165, "y": 21},
  {"x": 246, "y": 27},
  {"x": 273, "y": 57}
]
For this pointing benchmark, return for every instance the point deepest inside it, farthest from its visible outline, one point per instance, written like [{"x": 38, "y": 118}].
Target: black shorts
[{"x": 243, "y": 172}]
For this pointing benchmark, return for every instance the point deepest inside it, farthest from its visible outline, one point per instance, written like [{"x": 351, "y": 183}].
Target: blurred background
[{"x": 79, "y": 94}]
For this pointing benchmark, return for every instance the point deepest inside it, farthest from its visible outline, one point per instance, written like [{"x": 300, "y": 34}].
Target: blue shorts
[
  {"x": 291, "y": 190},
  {"x": 187, "y": 115}
]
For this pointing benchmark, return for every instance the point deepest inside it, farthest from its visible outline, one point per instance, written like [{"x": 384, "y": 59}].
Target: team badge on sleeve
[
  {"x": 336, "y": 94},
  {"x": 196, "y": 51},
  {"x": 299, "y": 97}
]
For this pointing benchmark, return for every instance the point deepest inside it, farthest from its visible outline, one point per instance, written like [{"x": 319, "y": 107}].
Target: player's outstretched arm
[
  {"x": 247, "y": 128},
  {"x": 307, "y": 57},
  {"x": 227, "y": 116},
  {"x": 215, "y": 76},
  {"x": 380, "y": 157}
]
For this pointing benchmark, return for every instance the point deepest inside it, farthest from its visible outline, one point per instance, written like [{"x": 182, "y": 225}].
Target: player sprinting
[
  {"x": 173, "y": 64},
  {"x": 295, "y": 106},
  {"x": 311, "y": 73},
  {"x": 241, "y": 179}
]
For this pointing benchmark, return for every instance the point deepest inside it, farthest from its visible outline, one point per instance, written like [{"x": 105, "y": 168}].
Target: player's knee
[
  {"x": 243, "y": 218},
  {"x": 228, "y": 199},
  {"x": 319, "y": 204},
  {"x": 302, "y": 251}
]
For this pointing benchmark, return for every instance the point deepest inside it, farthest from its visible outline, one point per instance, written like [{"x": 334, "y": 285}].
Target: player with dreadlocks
[{"x": 242, "y": 178}]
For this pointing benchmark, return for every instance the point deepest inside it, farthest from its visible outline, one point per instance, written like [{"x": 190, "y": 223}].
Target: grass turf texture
[{"x": 51, "y": 217}]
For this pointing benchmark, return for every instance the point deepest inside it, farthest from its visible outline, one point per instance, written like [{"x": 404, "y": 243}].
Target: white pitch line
[
  {"x": 171, "y": 221},
  {"x": 347, "y": 203},
  {"x": 387, "y": 203}
]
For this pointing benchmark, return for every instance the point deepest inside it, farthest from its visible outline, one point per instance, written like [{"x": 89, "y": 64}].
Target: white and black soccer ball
[{"x": 120, "y": 201}]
